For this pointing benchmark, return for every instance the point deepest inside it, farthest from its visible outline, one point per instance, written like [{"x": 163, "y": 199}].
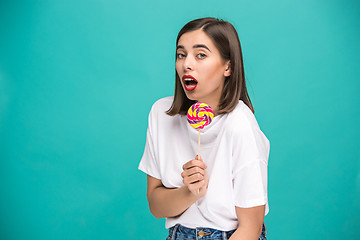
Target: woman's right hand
[{"x": 195, "y": 177}]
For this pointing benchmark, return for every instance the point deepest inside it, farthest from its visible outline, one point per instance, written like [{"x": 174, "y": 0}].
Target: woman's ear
[{"x": 227, "y": 69}]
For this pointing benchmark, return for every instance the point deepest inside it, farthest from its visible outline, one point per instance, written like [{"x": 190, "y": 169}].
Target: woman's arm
[
  {"x": 171, "y": 202},
  {"x": 250, "y": 223},
  {"x": 165, "y": 202}
]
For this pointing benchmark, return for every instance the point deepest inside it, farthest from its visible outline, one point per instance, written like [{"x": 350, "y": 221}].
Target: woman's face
[{"x": 200, "y": 67}]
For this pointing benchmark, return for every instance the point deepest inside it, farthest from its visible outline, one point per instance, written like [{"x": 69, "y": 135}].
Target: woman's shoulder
[
  {"x": 244, "y": 125},
  {"x": 164, "y": 102},
  {"x": 242, "y": 118},
  {"x": 161, "y": 106}
]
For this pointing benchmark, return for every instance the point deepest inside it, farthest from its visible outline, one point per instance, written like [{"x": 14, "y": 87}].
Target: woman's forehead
[{"x": 195, "y": 38}]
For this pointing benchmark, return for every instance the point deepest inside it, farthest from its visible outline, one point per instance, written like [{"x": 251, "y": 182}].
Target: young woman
[{"x": 221, "y": 194}]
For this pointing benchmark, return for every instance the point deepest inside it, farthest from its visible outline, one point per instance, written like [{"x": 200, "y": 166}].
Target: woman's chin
[{"x": 191, "y": 97}]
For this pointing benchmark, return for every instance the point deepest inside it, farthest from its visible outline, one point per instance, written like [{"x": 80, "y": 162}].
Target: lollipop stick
[
  {"x": 199, "y": 145},
  {"x": 198, "y": 191}
]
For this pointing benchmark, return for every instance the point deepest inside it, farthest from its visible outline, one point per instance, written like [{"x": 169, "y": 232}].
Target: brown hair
[{"x": 225, "y": 38}]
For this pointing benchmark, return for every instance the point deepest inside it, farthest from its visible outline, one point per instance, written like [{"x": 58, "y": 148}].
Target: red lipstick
[{"x": 189, "y": 82}]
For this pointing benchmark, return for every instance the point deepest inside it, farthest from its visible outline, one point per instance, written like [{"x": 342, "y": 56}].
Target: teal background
[{"x": 78, "y": 78}]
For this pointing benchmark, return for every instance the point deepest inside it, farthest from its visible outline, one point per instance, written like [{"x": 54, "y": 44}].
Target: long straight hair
[{"x": 226, "y": 40}]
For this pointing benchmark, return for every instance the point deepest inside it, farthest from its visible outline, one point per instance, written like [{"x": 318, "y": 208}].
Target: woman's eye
[
  {"x": 201, "y": 55},
  {"x": 180, "y": 55}
]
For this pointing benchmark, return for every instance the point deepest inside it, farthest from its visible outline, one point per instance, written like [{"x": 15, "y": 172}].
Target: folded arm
[
  {"x": 171, "y": 202},
  {"x": 166, "y": 202}
]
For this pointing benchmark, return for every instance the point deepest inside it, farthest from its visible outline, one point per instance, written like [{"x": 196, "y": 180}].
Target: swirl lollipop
[{"x": 200, "y": 115}]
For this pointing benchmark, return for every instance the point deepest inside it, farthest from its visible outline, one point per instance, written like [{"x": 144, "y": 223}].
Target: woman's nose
[{"x": 188, "y": 64}]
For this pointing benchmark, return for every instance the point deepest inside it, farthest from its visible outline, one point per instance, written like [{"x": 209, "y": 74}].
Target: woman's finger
[
  {"x": 194, "y": 163},
  {"x": 194, "y": 170},
  {"x": 193, "y": 178},
  {"x": 196, "y": 186}
]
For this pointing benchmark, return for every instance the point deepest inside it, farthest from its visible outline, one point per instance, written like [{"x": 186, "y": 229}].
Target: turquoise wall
[{"x": 78, "y": 78}]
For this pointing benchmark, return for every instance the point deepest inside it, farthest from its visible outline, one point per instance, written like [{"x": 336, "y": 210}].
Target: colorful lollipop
[{"x": 199, "y": 115}]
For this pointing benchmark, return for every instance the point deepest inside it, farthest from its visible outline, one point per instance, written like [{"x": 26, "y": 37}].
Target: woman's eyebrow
[
  {"x": 201, "y": 46},
  {"x": 195, "y": 46}
]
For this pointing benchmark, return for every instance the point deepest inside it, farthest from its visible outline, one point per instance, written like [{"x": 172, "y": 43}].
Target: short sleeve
[
  {"x": 250, "y": 160},
  {"x": 250, "y": 185},
  {"x": 149, "y": 162}
]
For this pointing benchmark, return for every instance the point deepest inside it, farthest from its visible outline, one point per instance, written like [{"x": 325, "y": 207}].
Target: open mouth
[{"x": 190, "y": 82}]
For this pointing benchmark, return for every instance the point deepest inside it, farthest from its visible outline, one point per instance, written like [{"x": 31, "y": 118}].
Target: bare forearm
[
  {"x": 165, "y": 202},
  {"x": 247, "y": 233}
]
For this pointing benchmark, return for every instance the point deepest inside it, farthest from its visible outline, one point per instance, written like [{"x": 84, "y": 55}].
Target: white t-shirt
[{"x": 233, "y": 148}]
